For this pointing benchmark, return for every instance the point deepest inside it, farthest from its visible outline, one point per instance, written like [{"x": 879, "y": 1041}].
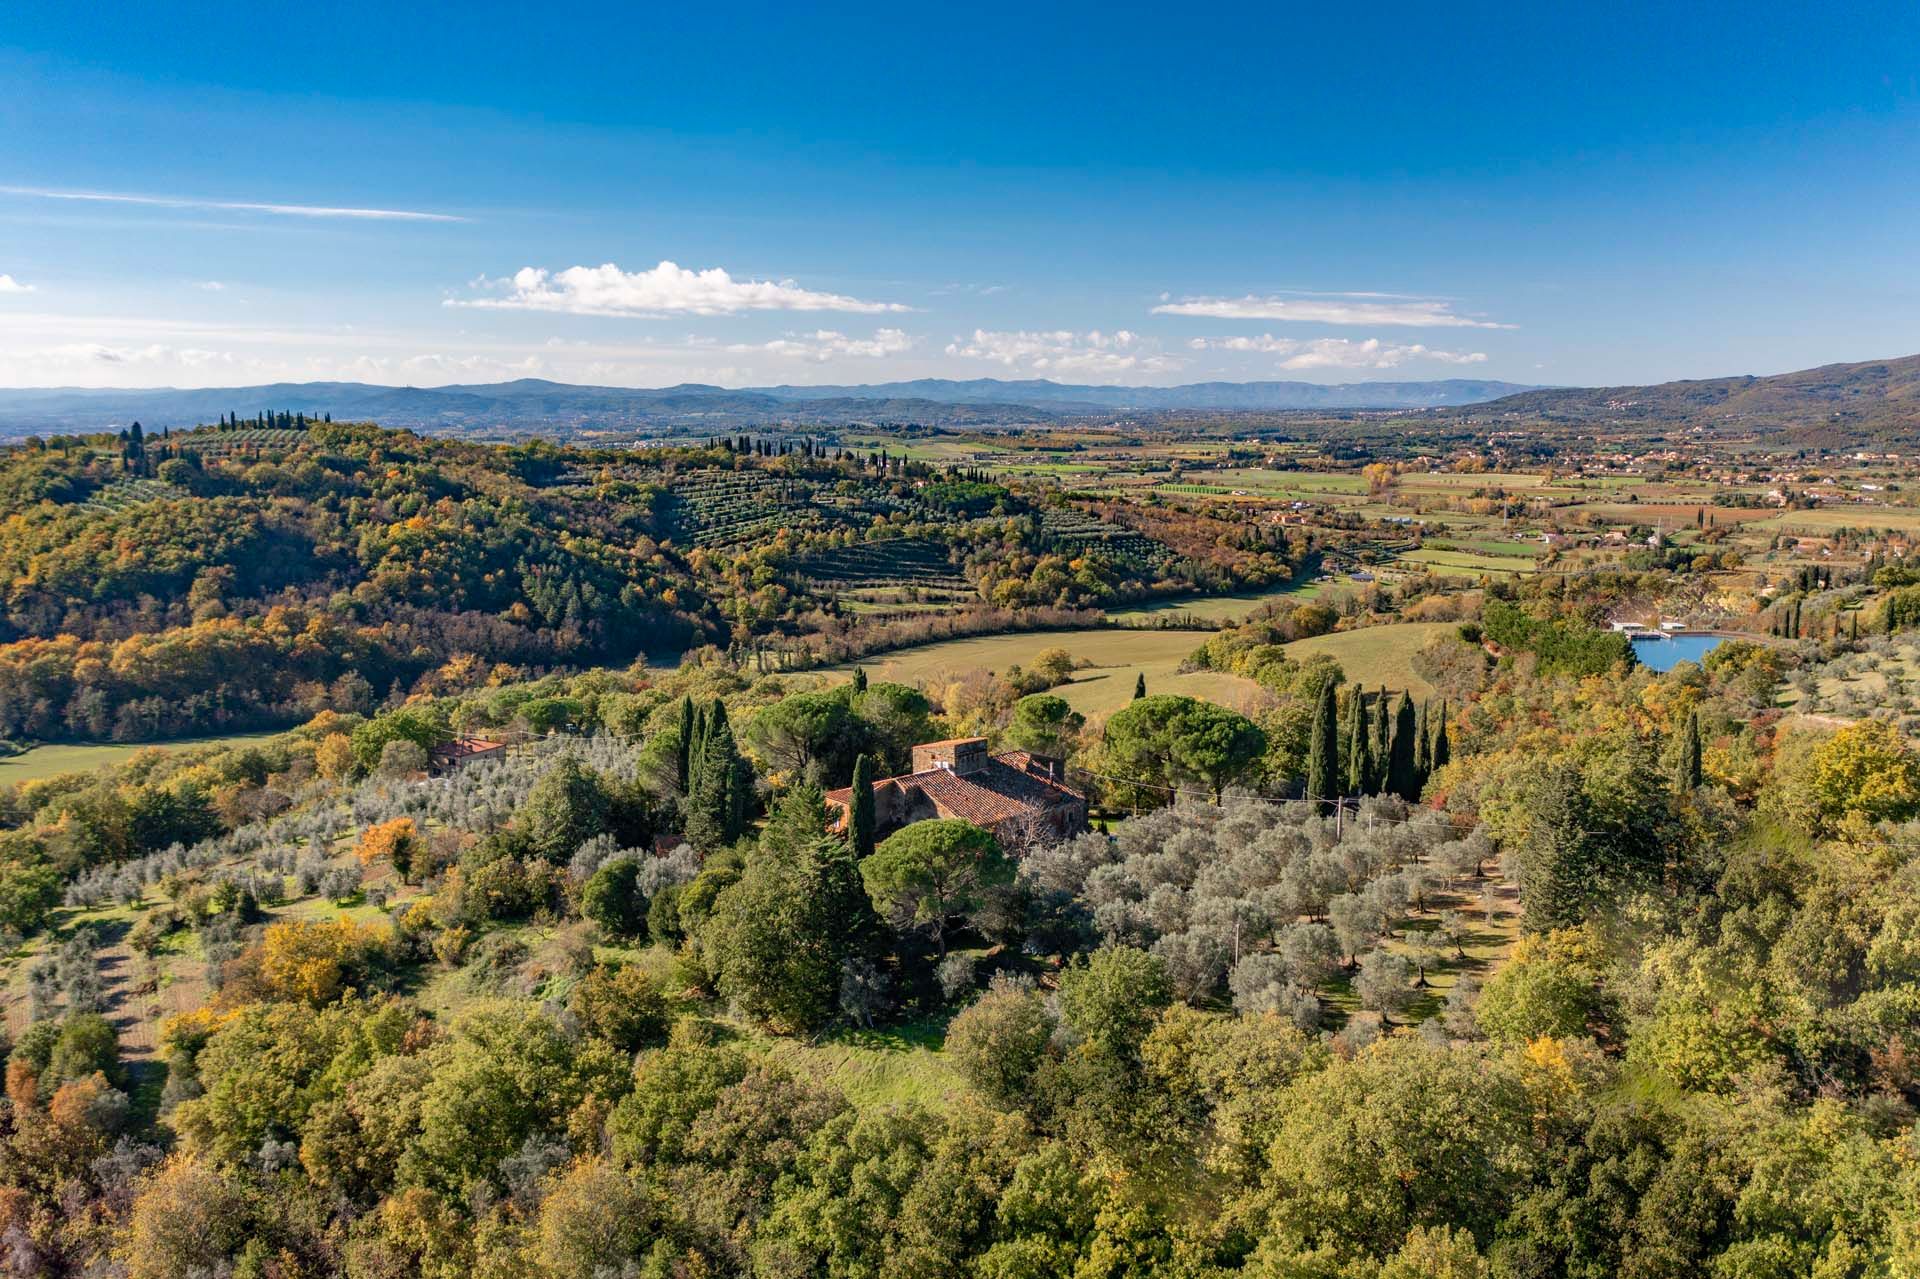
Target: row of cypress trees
[
  {"x": 1379, "y": 750},
  {"x": 268, "y": 418}
]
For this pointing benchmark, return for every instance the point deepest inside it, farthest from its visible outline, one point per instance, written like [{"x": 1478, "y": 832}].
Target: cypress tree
[
  {"x": 859, "y": 680},
  {"x": 1558, "y": 875},
  {"x": 1378, "y": 755},
  {"x": 1139, "y": 686},
  {"x": 1358, "y": 766},
  {"x": 717, "y": 809},
  {"x": 696, "y": 748},
  {"x": 1690, "y": 774},
  {"x": 1401, "y": 778},
  {"x": 1442, "y": 749},
  {"x": 1420, "y": 763},
  {"x": 1323, "y": 758},
  {"x": 683, "y": 755},
  {"x": 860, "y": 808}
]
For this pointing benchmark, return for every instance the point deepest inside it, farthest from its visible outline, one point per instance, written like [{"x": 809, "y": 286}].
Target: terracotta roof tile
[{"x": 1008, "y": 786}]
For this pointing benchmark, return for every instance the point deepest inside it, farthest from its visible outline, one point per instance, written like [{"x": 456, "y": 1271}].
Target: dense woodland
[
  {"x": 255, "y": 574},
  {"x": 493, "y": 1023}
]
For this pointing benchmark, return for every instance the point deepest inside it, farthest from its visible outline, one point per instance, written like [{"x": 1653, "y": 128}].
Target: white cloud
[
  {"x": 50, "y": 349},
  {"x": 435, "y": 369},
  {"x": 1331, "y": 308},
  {"x": 826, "y": 344},
  {"x": 211, "y": 286},
  {"x": 1337, "y": 353},
  {"x": 667, "y": 289},
  {"x": 237, "y": 206},
  {"x": 10, "y": 285},
  {"x": 1064, "y": 351},
  {"x": 154, "y": 353}
]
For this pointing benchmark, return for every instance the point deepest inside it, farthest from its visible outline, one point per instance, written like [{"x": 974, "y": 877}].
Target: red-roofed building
[
  {"x": 461, "y": 751},
  {"x": 1018, "y": 796}
]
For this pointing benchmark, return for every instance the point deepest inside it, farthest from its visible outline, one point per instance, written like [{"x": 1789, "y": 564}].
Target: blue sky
[{"x": 1103, "y": 193}]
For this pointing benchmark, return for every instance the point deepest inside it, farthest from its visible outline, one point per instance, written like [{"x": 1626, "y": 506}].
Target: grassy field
[
  {"x": 1115, "y": 656},
  {"x": 892, "y": 1066},
  {"x": 854, "y": 605},
  {"x": 1676, "y": 515},
  {"x": 1377, "y": 655},
  {"x": 71, "y": 757},
  {"x": 1221, "y": 608},
  {"x": 1467, "y": 563},
  {"x": 1487, "y": 546},
  {"x": 1830, "y": 519},
  {"x": 1288, "y": 483},
  {"x": 1508, "y": 480}
]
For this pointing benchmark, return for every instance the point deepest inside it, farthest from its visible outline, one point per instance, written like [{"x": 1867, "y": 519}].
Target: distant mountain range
[
  {"x": 1870, "y": 397},
  {"x": 1038, "y": 393},
  {"x": 533, "y": 403}
]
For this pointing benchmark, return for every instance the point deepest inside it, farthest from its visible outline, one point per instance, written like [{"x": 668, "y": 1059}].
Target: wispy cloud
[
  {"x": 40, "y": 349},
  {"x": 1337, "y": 353},
  {"x": 237, "y": 206},
  {"x": 10, "y": 285},
  {"x": 976, "y": 290},
  {"x": 1064, "y": 351},
  {"x": 667, "y": 289},
  {"x": 211, "y": 286},
  {"x": 825, "y": 344},
  {"x": 1330, "y": 308},
  {"x": 151, "y": 354}
]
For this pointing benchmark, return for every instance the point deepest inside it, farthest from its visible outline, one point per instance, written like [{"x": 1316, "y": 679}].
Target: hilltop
[{"x": 1859, "y": 399}]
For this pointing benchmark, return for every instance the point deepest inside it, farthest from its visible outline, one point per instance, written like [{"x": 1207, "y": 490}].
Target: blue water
[{"x": 1665, "y": 654}]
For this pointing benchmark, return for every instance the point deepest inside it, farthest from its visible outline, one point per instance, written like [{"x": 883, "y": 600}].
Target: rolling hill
[
  {"x": 534, "y": 403},
  {"x": 1836, "y": 401},
  {"x": 1861, "y": 399}
]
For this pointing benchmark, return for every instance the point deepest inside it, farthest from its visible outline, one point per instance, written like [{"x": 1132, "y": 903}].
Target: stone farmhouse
[{"x": 1021, "y": 797}]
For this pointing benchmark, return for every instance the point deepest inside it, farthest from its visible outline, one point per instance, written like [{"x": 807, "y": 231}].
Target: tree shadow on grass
[{"x": 928, "y": 1034}]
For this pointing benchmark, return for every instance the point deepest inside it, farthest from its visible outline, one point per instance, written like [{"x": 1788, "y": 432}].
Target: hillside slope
[{"x": 1872, "y": 396}]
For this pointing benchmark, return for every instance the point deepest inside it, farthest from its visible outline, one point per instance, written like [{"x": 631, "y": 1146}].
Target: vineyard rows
[
  {"x": 1082, "y": 531},
  {"x": 121, "y": 494},
  {"x": 894, "y": 562},
  {"x": 240, "y": 443},
  {"x": 721, "y": 508},
  {"x": 715, "y": 508}
]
